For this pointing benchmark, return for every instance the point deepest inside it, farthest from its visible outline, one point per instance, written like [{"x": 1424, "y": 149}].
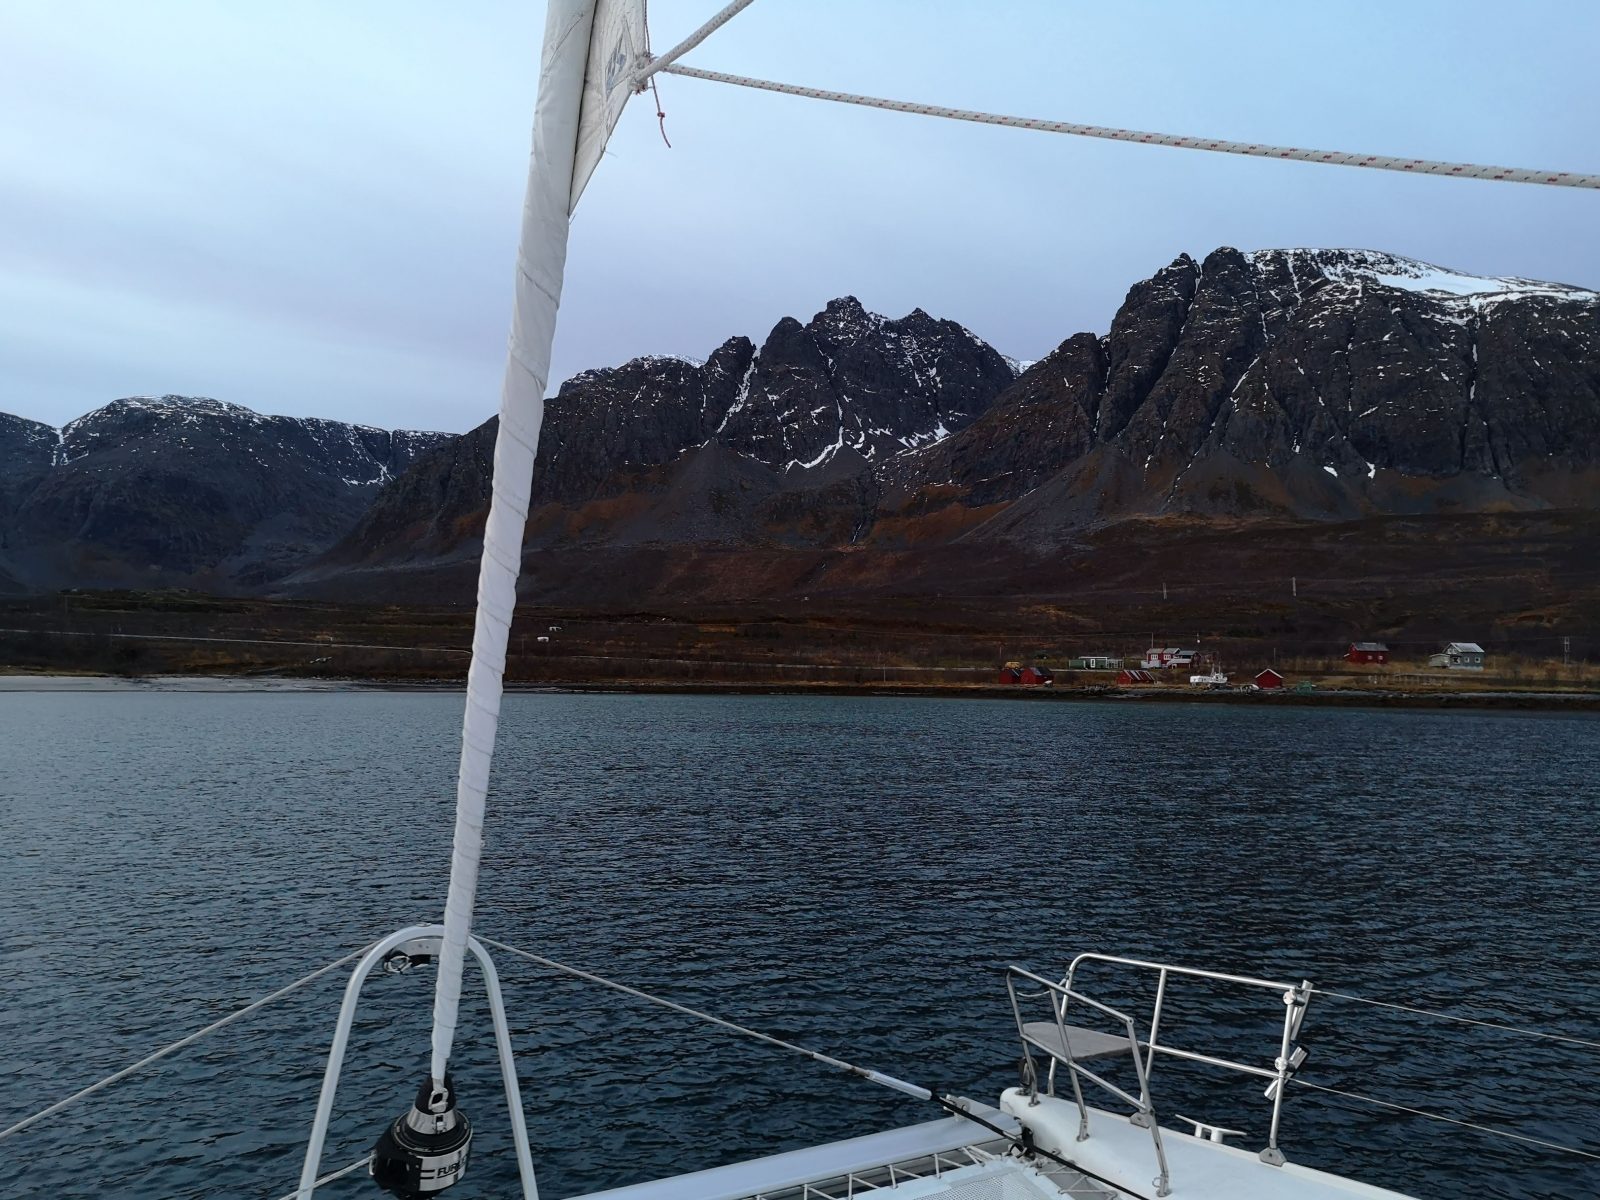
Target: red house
[
  {"x": 1268, "y": 680},
  {"x": 1134, "y": 677},
  {"x": 1037, "y": 677},
  {"x": 1010, "y": 675},
  {"x": 1367, "y": 652}
]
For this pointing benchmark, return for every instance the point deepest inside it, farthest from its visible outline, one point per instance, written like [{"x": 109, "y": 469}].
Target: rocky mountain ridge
[
  {"x": 1318, "y": 385},
  {"x": 1302, "y": 384},
  {"x": 780, "y": 440},
  {"x": 1276, "y": 386},
  {"x": 186, "y": 490}
]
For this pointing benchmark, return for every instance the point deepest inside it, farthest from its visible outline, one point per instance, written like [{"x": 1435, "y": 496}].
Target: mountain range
[
  {"x": 1248, "y": 389},
  {"x": 164, "y": 490}
]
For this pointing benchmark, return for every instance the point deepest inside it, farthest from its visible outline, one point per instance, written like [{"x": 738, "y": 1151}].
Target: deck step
[{"x": 1085, "y": 1043}]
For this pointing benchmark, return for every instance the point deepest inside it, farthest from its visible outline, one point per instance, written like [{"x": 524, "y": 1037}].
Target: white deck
[
  {"x": 1123, "y": 1153},
  {"x": 1116, "y": 1151},
  {"x": 817, "y": 1164}
]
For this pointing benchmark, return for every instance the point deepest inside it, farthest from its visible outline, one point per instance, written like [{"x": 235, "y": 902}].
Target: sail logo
[{"x": 616, "y": 65}]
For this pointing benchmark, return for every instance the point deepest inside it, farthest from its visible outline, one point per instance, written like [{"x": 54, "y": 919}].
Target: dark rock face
[
  {"x": 187, "y": 490},
  {"x": 1036, "y": 427},
  {"x": 853, "y": 379},
  {"x": 1313, "y": 384},
  {"x": 27, "y": 449},
  {"x": 1143, "y": 337}
]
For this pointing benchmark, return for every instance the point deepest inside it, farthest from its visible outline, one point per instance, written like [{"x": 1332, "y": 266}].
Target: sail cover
[
  {"x": 592, "y": 49},
  {"x": 617, "y": 48}
]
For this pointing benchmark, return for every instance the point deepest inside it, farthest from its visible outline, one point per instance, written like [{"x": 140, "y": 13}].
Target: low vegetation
[{"x": 891, "y": 645}]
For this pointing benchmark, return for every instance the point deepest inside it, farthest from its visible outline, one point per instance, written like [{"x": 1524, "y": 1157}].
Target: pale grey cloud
[{"x": 311, "y": 208}]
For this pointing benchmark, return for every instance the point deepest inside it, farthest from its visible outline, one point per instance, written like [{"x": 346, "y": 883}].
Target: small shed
[
  {"x": 1134, "y": 677},
  {"x": 1037, "y": 676},
  {"x": 1459, "y": 656},
  {"x": 1268, "y": 680},
  {"x": 1367, "y": 652},
  {"x": 1010, "y": 674},
  {"x": 1095, "y": 662}
]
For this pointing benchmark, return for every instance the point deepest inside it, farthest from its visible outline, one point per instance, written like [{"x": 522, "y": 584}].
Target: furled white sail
[
  {"x": 583, "y": 84},
  {"x": 616, "y": 51}
]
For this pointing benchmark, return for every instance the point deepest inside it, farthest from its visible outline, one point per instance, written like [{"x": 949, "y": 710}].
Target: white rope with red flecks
[{"x": 1379, "y": 162}]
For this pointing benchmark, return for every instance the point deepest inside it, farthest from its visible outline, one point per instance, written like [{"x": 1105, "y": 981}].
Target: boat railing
[
  {"x": 1059, "y": 1048},
  {"x": 1067, "y": 1047}
]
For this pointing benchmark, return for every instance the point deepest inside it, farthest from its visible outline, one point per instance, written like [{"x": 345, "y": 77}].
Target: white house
[
  {"x": 1459, "y": 656},
  {"x": 1168, "y": 658}
]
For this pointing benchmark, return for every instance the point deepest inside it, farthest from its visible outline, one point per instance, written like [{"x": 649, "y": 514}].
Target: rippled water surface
[{"x": 848, "y": 873}]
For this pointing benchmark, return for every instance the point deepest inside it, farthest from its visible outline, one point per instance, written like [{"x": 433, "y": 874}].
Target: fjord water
[{"x": 851, "y": 874}]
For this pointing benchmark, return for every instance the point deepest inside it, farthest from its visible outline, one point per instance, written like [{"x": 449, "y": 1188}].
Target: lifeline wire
[
  {"x": 899, "y": 1085},
  {"x": 332, "y": 1175},
  {"x": 1415, "y": 166},
  {"x": 922, "y": 1093},
  {"x": 1443, "y": 1016},
  {"x": 1433, "y": 1116},
  {"x": 180, "y": 1044}
]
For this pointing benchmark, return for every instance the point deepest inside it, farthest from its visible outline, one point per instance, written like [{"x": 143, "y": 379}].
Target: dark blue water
[{"x": 852, "y": 874}]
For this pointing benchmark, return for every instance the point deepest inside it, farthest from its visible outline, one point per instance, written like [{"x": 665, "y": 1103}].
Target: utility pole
[
  {"x": 1294, "y": 586},
  {"x": 1566, "y": 651}
]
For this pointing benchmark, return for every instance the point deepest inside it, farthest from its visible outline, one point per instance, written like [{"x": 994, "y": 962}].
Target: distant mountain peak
[
  {"x": 173, "y": 401},
  {"x": 184, "y": 489}
]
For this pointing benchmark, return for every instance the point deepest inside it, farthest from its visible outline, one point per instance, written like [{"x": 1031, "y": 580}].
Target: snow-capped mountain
[
  {"x": 852, "y": 380},
  {"x": 184, "y": 488},
  {"x": 816, "y": 404},
  {"x": 1320, "y": 384},
  {"x": 1290, "y": 384}
]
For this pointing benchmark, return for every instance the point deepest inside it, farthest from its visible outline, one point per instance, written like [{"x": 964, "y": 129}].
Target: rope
[
  {"x": 664, "y": 61},
  {"x": 1415, "y": 166},
  {"x": 179, "y": 1044},
  {"x": 655, "y": 93},
  {"x": 1442, "y": 1016},
  {"x": 1433, "y": 1116},
  {"x": 661, "y": 117},
  {"x": 331, "y": 1176}
]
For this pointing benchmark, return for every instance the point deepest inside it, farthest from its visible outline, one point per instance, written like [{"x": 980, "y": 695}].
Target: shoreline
[{"x": 55, "y": 684}]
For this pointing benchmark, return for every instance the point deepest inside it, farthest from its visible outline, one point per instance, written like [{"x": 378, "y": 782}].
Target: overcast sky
[{"x": 311, "y": 207}]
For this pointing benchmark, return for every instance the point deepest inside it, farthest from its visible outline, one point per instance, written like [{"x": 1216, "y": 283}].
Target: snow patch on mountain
[{"x": 1414, "y": 275}]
